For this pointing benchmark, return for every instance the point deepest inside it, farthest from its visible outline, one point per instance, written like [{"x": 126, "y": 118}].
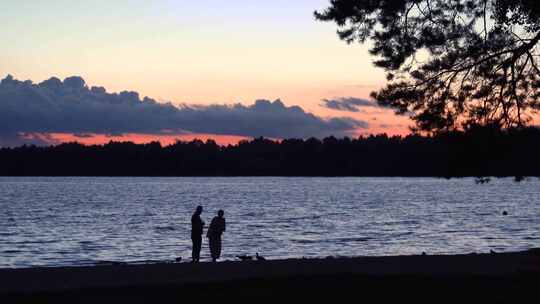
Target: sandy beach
[{"x": 497, "y": 277}]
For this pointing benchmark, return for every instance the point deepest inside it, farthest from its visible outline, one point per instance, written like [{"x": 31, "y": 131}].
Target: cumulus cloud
[
  {"x": 348, "y": 104},
  {"x": 70, "y": 106}
]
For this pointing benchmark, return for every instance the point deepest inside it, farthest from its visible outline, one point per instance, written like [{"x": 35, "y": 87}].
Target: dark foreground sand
[{"x": 474, "y": 278}]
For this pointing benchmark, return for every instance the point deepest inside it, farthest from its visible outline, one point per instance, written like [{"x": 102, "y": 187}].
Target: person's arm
[{"x": 223, "y": 225}]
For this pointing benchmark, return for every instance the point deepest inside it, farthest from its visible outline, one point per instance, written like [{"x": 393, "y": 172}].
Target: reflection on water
[{"x": 80, "y": 221}]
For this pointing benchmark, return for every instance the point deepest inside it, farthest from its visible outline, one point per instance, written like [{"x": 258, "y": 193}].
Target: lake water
[{"x": 85, "y": 221}]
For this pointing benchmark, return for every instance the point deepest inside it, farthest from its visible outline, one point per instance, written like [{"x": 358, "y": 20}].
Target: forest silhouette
[{"x": 477, "y": 152}]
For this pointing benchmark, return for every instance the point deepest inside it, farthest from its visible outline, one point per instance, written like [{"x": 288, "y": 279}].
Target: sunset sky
[{"x": 198, "y": 55}]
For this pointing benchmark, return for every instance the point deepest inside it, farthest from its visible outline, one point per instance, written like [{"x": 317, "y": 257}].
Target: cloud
[
  {"x": 10, "y": 139},
  {"x": 82, "y": 135},
  {"x": 70, "y": 106},
  {"x": 348, "y": 104}
]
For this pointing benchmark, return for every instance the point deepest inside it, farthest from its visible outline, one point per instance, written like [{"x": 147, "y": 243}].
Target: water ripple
[{"x": 86, "y": 221}]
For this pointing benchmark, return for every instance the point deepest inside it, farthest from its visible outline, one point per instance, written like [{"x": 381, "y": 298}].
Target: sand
[{"x": 494, "y": 278}]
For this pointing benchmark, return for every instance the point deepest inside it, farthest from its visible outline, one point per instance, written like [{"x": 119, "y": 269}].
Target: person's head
[
  {"x": 220, "y": 213},
  {"x": 199, "y": 210}
]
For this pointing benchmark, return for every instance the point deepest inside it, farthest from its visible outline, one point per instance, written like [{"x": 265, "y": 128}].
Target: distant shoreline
[
  {"x": 487, "y": 276},
  {"x": 482, "y": 152}
]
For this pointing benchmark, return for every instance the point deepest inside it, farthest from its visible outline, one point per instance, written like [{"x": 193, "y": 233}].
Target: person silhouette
[
  {"x": 197, "y": 226},
  {"x": 216, "y": 229}
]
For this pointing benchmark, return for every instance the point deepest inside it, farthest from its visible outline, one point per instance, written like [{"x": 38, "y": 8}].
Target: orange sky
[
  {"x": 165, "y": 140},
  {"x": 203, "y": 52}
]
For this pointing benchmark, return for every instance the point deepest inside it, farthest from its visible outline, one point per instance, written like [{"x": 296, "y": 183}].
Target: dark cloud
[
  {"x": 391, "y": 126},
  {"x": 82, "y": 135},
  {"x": 348, "y": 104},
  {"x": 70, "y": 106},
  {"x": 11, "y": 139}
]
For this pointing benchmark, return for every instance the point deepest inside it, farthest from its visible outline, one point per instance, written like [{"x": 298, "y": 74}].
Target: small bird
[
  {"x": 244, "y": 257},
  {"x": 424, "y": 253},
  {"x": 259, "y": 257},
  {"x": 178, "y": 259}
]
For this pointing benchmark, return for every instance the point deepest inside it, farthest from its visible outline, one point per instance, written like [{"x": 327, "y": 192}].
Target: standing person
[
  {"x": 197, "y": 226},
  {"x": 217, "y": 227}
]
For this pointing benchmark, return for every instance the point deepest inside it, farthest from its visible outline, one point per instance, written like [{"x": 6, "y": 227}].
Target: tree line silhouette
[{"x": 477, "y": 152}]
